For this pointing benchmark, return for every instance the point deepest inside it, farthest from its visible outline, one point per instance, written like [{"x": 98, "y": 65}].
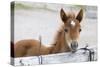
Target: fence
[{"x": 81, "y": 55}]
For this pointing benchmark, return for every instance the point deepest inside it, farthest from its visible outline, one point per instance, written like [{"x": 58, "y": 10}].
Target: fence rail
[{"x": 79, "y": 56}]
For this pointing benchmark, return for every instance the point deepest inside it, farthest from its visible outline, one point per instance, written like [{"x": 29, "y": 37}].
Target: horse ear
[
  {"x": 79, "y": 17},
  {"x": 63, "y": 15}
]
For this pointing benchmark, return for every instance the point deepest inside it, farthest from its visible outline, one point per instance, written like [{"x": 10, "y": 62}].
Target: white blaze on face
[{"x": 72, "y": 23}]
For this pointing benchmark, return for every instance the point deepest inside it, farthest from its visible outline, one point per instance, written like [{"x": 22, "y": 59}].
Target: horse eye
[
  {"x": 80, "y": 30},
  {"x": 66, "y": 30}
]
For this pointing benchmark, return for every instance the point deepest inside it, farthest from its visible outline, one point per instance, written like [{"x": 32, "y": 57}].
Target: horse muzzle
[{"x": 74, "y": 45}]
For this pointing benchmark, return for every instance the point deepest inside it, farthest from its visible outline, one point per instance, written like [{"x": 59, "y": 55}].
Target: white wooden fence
[{"x": 79, "y": 56}]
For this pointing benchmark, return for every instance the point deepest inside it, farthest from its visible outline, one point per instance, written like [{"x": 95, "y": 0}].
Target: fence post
[{"x": 40, "y": 57}]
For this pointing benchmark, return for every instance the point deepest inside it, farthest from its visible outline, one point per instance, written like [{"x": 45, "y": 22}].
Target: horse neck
[{"x": 60, "y": 44}]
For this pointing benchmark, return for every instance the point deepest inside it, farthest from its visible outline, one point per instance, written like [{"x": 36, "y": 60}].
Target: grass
[
  {"x": 22, "y": 6},
  {"x": 19, "y": 6}
]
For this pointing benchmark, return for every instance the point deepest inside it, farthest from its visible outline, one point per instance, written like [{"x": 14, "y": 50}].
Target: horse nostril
[{"x": 74, "y": 45}]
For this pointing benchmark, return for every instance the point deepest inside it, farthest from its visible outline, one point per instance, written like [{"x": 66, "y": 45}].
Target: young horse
[{"x": 66, "y": 39}]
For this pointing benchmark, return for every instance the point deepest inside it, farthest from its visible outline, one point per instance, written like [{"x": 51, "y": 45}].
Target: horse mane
[
  {"x": 58, "y": 35},
  {"x": 71, "y": 15}
]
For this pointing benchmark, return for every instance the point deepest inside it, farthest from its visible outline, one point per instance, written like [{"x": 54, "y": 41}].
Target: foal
[{"x": 66, "y": 38}]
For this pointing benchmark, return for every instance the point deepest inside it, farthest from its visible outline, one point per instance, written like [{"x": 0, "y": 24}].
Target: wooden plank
[{"x": 79, "y": 56}]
